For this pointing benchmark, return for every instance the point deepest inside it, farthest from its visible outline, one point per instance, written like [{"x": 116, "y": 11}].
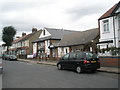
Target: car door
[
  {"x": 72, "y": 60},
  {"x": 65, "y": 60}
]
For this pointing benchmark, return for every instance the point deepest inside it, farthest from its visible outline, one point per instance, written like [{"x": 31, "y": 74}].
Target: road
[
  {"x": 29, "y": 75},
  {"x": 0, "y": 81}
]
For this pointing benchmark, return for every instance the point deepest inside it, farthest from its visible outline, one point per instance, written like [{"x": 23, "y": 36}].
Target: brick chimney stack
[
  {"x": 34, "y": 29},
  {"x": 23, "y": 34}
]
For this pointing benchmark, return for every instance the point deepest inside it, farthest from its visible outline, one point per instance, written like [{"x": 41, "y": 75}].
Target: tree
[{"x": 8, "y": 34}]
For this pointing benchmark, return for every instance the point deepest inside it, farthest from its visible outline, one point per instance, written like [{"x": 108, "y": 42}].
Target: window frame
[{"x": 106, "y": 26}]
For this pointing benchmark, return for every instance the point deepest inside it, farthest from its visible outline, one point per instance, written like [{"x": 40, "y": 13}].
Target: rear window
[
  {"x": 91, "y": 55},
  {"x": 80, "y": 56}
]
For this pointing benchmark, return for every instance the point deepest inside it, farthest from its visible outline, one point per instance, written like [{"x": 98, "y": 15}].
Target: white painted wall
[
  {"x": 62, "y": 51},
  {"x": 47, "y": 44},
  {"x": 34, "y": 48},
  {"x": 26, "y": 43},
  {"x": 46, "y": 34},
  {"x": 106, "y": 36}
]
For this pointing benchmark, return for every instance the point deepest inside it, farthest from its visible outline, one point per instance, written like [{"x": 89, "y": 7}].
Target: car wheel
[
  {"x": 78, "y": 69},
  {"x": 59, "y": 66}
]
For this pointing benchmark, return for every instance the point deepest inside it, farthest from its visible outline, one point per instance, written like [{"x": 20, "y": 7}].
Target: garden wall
[{"x": 110, "y": 61}]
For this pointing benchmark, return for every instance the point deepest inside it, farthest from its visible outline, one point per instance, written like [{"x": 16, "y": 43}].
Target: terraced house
[
  {"x": 109, "y": 26},
  {"x": 23, "y": 45}
]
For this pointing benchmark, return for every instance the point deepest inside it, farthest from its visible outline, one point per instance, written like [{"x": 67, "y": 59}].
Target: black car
[{"x": 79, "y": 61}]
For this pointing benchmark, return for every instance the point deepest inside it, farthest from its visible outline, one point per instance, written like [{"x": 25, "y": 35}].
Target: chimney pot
[
  {"x": 23, "y": 34},
  {"x": 34, "y": 29}
]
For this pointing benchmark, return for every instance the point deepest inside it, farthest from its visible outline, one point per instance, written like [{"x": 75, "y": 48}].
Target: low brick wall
[
  {"x": 110, "y": 61},
  {"x": 22, "y": 56}
]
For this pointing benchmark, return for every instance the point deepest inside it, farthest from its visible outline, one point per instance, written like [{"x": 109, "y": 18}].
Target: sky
[{"x": 77, "y": 15}]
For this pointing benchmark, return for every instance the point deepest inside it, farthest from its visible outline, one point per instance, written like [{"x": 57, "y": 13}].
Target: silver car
[{"x": 1, "y": 67}]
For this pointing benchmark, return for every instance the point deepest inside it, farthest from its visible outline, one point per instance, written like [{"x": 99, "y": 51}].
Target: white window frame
[{"x": 106, "y": 25}]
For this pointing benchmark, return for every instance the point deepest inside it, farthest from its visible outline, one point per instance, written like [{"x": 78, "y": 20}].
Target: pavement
[{"x": 54, "y": 63}]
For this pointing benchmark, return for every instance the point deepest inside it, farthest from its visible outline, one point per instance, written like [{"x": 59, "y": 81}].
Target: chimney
[
  {"x": 34, "y": 30},
  {"x": 23, "y": 34}
]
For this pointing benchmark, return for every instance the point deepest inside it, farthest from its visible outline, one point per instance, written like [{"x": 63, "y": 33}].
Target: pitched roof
[
  {"x": 29, "y": 35},
  {"x": 55, "y": 34},
  {"x": 58, "y": 33},
  {"x": 109, "y": 12},
  {"x": 17, "y": 40},
  {"x": 79, "y": 37},
  {"x": 25, "y": 37}
]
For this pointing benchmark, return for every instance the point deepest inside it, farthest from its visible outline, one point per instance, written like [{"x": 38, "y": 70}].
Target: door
[
  {"x": 72, "y": 60},
  {"x": 65, "y": 60}
]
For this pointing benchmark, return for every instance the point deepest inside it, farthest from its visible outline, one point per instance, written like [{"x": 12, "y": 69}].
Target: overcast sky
[{"x": 67, "y": 14}]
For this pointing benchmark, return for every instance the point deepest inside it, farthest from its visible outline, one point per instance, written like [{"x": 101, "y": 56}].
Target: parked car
[
  {"x": 9, "y": 57},
  {"x": 1, "y": 55},
  {"x": 5, "y": 56},
  {"x": 1, "y": 67},
  {"x": 79, "y": 61}
]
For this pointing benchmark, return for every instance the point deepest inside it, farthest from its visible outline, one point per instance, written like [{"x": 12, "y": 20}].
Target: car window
[
  {"x": 65, "y": 57},
  {"x": 91, "y": 55},
  {"x": 80, "y": 56},
  {"x": 72, "y": 56}
]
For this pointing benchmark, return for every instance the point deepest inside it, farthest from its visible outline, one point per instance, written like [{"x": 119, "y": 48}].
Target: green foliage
[
  {"x": 8, "y": 34},
  {"x": 113, "y": 50}
]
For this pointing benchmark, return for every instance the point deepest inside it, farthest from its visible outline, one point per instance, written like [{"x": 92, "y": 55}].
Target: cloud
[
  {"x": 80, "y": 12},
  {"x": 67, "y": 14}
]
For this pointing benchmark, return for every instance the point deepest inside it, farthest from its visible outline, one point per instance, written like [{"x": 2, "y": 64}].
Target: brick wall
[{"x": 110, "y": 61}]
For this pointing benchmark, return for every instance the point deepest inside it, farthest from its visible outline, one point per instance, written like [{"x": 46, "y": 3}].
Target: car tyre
[
  {"x": 59, "y": 66},
  {"x": 78, "y": 69}
]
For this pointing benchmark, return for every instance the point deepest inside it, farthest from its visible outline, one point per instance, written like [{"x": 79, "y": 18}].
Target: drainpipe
[{"x": 114, "y": 31}]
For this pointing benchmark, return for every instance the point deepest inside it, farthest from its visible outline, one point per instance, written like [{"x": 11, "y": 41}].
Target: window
[
  {"x": 43, "y": 32},
  {"x": 91, "y": 55},
  {"x": 118, "y": 22},
  {"x": 66, "y": 51},
  {"x": 80, "y": 56},
  {"x": 72, "y": 56},
  {"x": 66, "y": 57},
  {"x": 106, "y": 25}
]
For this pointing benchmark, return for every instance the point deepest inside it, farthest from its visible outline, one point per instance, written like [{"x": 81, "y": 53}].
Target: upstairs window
[
  {"x": 106, "y": 25},
  {"x": 43, "y": 32},
  {"x": 119, "y": 22}
]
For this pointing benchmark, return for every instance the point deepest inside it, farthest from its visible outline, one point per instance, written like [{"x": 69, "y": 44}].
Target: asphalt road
[
  {"x": 0, "y": 81},
  {"x": 29, "y": 75}
]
